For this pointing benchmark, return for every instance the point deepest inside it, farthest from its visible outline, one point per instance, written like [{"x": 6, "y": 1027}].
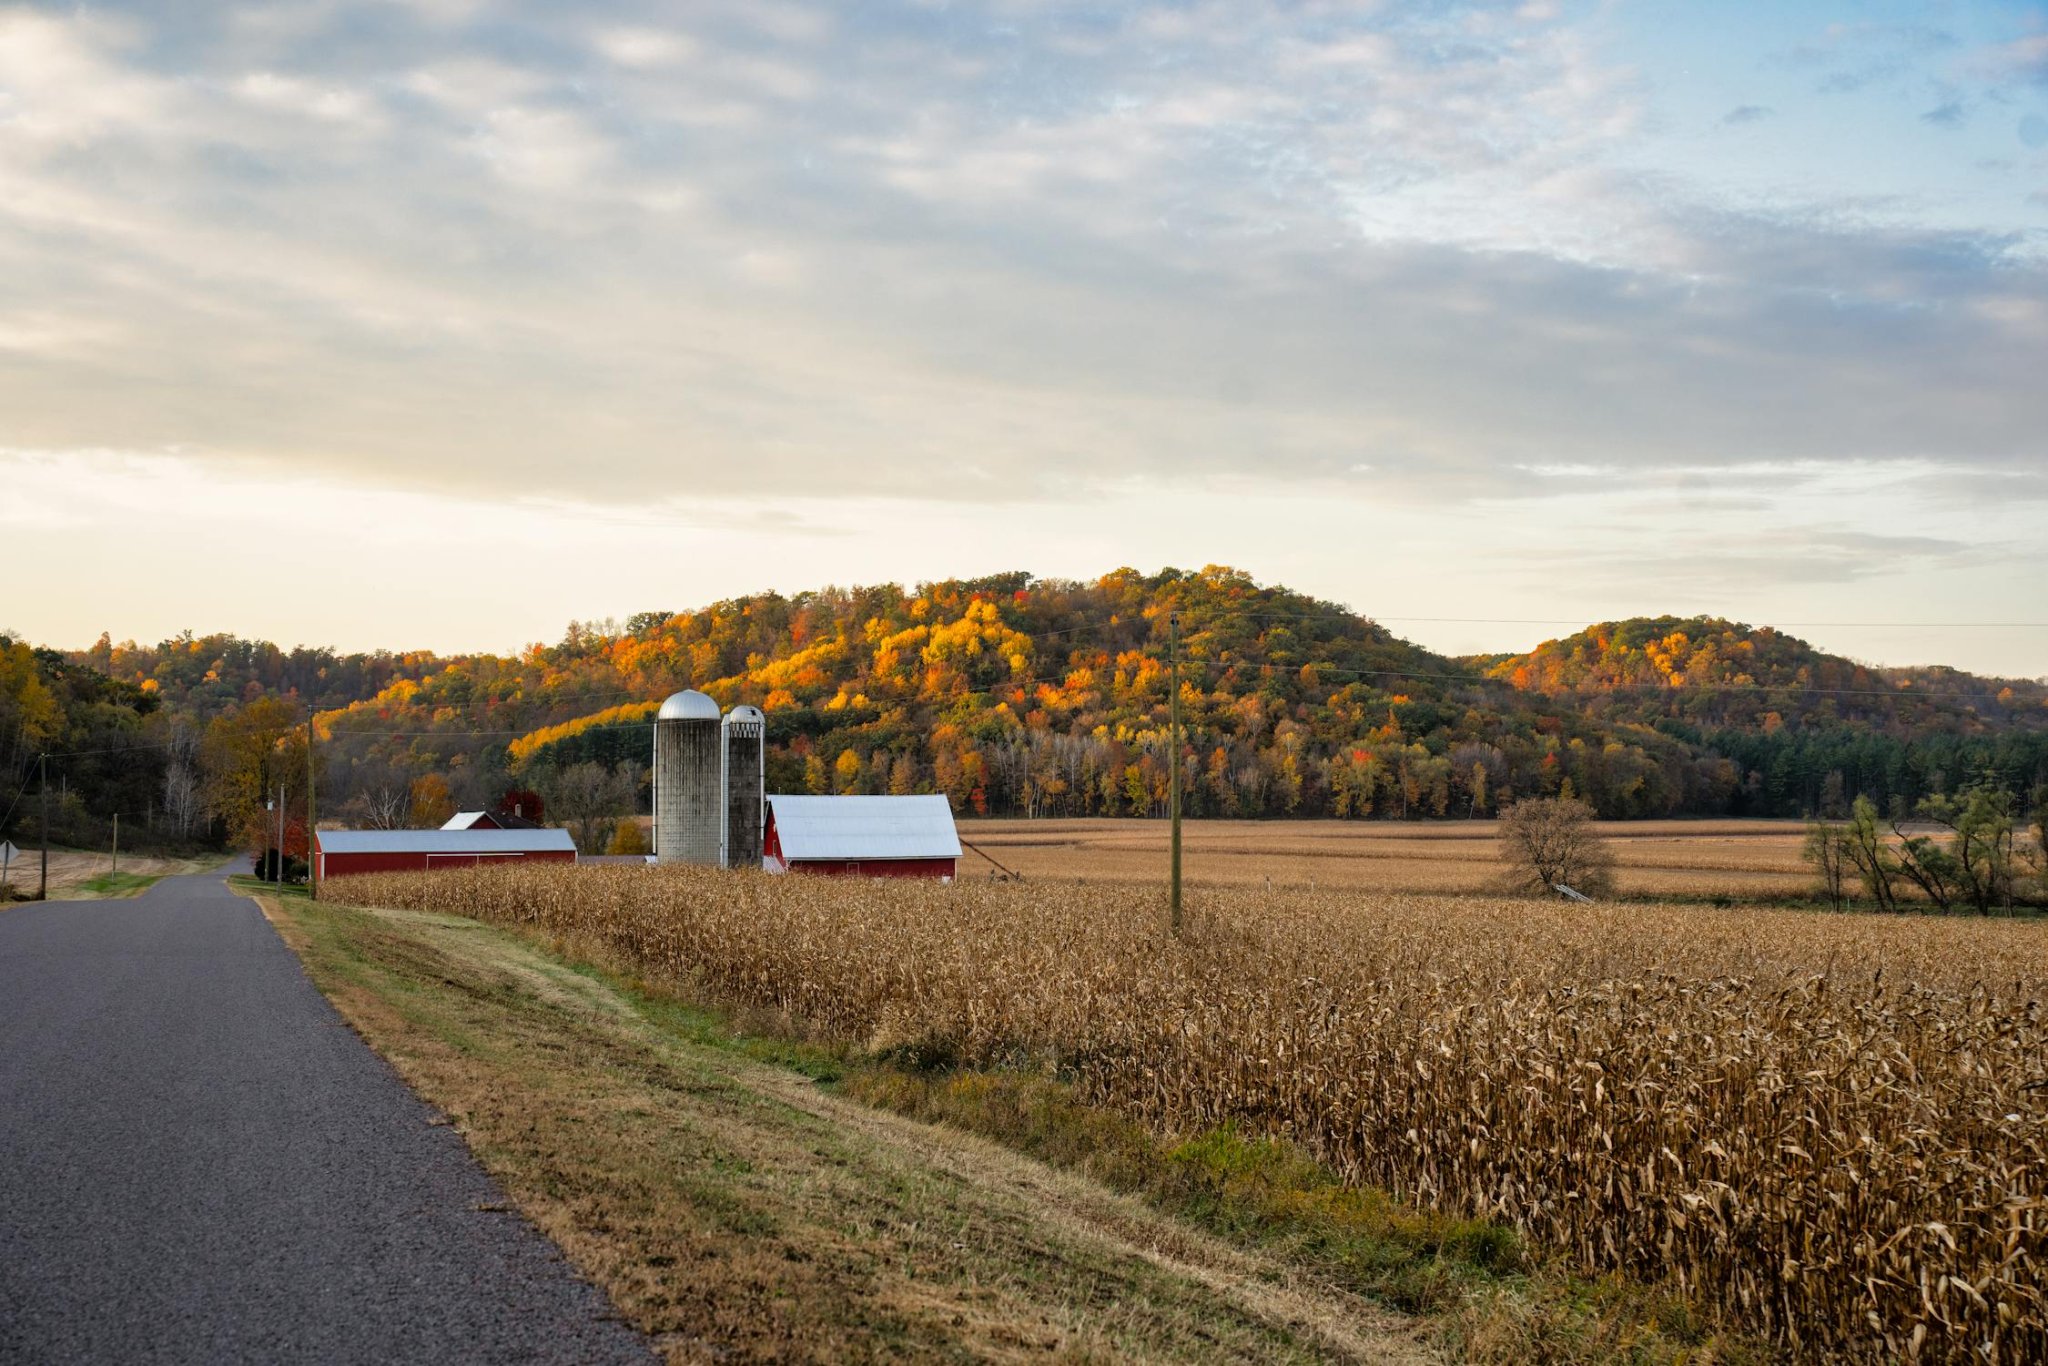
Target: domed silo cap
[
  {"x": 688, "y": 705},
  {"x": 741, "y": 715}
]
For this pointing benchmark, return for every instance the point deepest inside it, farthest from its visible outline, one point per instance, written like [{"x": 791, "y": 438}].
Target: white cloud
[
  {"x": 962, "y": 254},
  {"x": 646, "y": 48}
]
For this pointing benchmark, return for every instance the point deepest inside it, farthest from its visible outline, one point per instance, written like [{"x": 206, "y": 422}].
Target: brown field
[
  {"x": 1830, "y": 1131},
  {"x": 1742, "y": 860},
  {"x": 71, "y": 870}
]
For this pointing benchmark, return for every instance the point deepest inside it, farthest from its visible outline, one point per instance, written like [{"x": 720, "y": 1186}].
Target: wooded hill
[{"x": 1017, "y": 695}]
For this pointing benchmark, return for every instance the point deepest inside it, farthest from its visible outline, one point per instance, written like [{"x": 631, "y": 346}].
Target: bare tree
[
  {"x": 386, "y": 805},
  {"x": 1827, "y": 849},
  {"x": 181, "y": 783},
  {"x": 1549, "y": 842},
  {"x": 590, "y": 799}
]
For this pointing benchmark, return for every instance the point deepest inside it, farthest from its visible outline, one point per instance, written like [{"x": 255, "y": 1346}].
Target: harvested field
[
  {"x": 1741, "y": 860},
  {"x": 1831, "y": 1131},
  {"x": 72, "y": 873}
]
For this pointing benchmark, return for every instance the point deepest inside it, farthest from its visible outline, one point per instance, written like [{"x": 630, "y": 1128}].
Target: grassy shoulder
[
  {"x": 112, "y": 884},
  {"x": 738, "y": 1192},
  {"x": 736, "y": 1208}
]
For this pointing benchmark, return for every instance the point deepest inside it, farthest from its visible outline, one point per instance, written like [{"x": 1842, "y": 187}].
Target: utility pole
[
  {"x": 117, "y": 846},
  {"x": 1173, "y": 759},
  {"x": 312, "y": 857},
  {"x": 43, "y": 888}
]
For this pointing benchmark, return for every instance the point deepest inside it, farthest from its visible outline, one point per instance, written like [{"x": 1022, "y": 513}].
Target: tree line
[{"x": 1020, "y": 696}]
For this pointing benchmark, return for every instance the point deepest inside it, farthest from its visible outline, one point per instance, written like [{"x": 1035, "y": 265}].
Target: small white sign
[{"x": 8, "y": 853}]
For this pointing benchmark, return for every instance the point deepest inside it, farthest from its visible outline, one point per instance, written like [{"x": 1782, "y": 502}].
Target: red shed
[
  {"x": 862, "y": 836},
  {"x": 341, "y": 852}
]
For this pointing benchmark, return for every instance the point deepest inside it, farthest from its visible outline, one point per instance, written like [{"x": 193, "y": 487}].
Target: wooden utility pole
[
  {"x": 277, "y": 866},
  {"x": 43, "y": 887},
  {"x": 117, "y": 846},
  {"x": 312, "y": 858},
  {"x": 1173, "y": 758}
]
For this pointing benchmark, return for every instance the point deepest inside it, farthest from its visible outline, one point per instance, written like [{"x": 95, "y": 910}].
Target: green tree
[
  {"x": 1980, "y": 859},
  {"x": 1870, "y": 854}
]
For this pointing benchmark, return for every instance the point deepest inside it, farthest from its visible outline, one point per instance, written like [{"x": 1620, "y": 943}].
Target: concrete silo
[
  {"x": 743, "y": 750},
  {"x": 686, "y": 780}
]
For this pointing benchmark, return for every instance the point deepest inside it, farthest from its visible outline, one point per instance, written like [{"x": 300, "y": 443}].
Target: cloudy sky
[{"x": 439, "y": 323}]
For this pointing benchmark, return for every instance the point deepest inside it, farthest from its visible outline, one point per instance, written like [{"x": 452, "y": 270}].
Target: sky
[{"x": 437, "y": 324}]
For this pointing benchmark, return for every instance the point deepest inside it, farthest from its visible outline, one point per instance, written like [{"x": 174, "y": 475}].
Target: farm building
[
  {"x": 862, "y": 836},
  {"x": 489, "y": 820},
  {"x": 341, "y": 852}
]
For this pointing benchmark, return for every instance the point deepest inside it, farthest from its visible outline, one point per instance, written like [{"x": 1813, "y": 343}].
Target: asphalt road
[{"x": 199, "y": 1162}]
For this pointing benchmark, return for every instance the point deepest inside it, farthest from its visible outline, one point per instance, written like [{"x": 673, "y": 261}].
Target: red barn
[
  {"x": 341, "y": 852},
  {"x": 489, "y": 820},
  {"x": 862, "y": 837}
]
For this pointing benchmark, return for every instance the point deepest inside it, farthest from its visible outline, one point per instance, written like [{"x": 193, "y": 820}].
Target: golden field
[
  {"x": 1830, "y": 1131},
  {"x": 1741, "y": 860}
]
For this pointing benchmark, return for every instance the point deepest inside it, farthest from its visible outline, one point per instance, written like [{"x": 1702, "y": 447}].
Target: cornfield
[{"x": 1829, "y": 1131}]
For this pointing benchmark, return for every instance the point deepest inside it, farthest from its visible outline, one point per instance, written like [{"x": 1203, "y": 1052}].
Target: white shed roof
[
  {"x": 444, "y": 841},
  {"x": 864, "y": 827},
  {"x": 462, "y": 820}
]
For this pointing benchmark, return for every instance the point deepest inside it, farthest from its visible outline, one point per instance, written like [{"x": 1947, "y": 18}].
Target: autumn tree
[
  {"x": 31, "y": 715},
  {"x": 430, "y": 806},
  {"x": 1550, "y": 843},
  {"x": 245, "y": 757}
]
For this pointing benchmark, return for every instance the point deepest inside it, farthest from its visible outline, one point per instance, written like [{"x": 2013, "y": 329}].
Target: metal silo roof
[{"x": 688, "y": 705}]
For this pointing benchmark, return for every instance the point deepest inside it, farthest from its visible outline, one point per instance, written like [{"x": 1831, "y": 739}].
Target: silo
[
  {"x": 743, "y": 750},
  {"x": 686, "y": 786}
]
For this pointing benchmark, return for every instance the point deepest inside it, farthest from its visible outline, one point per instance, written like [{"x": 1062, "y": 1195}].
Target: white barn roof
[
  {"x": 811, "y": 828},
  {"x": 445, "y": 841},
  {"x": 462, "y": 820}
]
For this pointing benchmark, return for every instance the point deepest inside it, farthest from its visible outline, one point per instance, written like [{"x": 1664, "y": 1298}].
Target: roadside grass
[
  {"x": 737, "y": 1204},
  {"x": 120, "y": 884},
  {"x": 410, "y": 984}
]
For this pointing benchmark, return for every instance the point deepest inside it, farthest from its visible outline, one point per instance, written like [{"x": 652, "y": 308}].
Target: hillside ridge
[{"x": 1015, "y": 694}]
